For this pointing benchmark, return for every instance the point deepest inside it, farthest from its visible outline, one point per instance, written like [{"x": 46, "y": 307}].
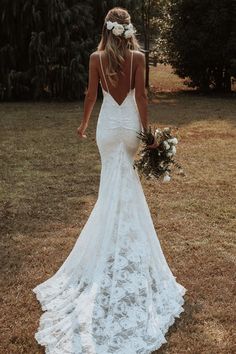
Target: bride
[{"x": 115, "y": 293}]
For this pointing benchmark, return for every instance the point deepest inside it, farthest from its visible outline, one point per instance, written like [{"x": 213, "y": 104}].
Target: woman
[{"x": 115, "y": 292}]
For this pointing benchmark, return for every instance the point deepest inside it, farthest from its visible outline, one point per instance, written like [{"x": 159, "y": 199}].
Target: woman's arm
[
  {"x": 140, "y": 90},
  {"x": 91, "y": 94}
]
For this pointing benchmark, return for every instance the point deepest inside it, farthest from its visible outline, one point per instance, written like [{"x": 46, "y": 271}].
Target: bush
[
  {"x": 198, "y": 38},
  {"x": 44, "y": 48}
]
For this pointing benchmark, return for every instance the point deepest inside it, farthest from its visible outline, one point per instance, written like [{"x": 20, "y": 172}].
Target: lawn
[{"x": 49, "y": 184}]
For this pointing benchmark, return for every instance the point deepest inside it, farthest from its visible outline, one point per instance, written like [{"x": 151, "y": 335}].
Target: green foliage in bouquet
[{"x": 158, "y": 160}]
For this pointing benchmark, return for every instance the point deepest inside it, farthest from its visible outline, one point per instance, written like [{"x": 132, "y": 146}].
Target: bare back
[
  {"x": 133, "y": 78},
  {"x": 125, "y": 81}
]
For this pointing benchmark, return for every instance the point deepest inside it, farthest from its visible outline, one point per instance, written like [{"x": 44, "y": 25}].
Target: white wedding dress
[{"x": 115, "y": 293}]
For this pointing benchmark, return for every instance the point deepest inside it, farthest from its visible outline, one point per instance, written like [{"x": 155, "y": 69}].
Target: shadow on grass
[{"x": 182, "y": 322}]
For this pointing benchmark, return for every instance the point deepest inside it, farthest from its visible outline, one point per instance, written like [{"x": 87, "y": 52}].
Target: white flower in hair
[
  {"x": 118, "y": 29},
  {"x": 110, "y": 25},
  {"x": 129, "y": 26},
  {"x": 129, "y": 33}
]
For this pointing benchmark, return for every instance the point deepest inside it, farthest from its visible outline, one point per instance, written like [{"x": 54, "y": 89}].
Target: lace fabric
[{"x": 115, "y": 293}]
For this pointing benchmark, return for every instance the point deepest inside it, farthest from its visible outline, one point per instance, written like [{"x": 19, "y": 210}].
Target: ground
[{"x": 49, "y": 184}]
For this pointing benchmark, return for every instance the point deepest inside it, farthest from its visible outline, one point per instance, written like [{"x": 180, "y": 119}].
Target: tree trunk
[
  {"x": 218, "y": 76},
  {"x": 145, "y": 22},
  {"x": 227, "y": 82},
  {"x": 222, "y": 80},
  {"x": 204, "y": 83}
]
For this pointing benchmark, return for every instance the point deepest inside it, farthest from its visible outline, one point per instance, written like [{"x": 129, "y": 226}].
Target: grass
[{"x": 49, "y": 184}]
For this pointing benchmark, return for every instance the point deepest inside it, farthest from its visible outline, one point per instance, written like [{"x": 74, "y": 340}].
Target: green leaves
[
  {"x": 197, "y": 39},
  {"x": 51, "y": 41}
]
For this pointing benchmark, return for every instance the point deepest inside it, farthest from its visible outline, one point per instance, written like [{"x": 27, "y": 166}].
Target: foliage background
[
  {"x": 45, "y": 44},
  {"x": 198, "y": 38}
]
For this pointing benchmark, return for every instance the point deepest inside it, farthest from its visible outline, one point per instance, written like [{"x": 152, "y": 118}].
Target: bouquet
[{"x": 157, "y": 154}]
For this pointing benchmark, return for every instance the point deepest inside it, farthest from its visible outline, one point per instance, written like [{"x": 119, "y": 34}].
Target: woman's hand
[
  {"x": 153, "y": 146},
  {"x": 81, "y": 130}
]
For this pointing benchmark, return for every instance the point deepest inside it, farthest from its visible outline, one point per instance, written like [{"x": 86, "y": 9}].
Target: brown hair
[{"x": 116, "y": 47}]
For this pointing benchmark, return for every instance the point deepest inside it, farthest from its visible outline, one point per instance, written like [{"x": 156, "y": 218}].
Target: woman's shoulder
[
  {"x": 138, "y": 52},
  {"x": 95, "y": 54},
  {"x": 139, "y": 55},
  {"x": 94, "y": 58}
]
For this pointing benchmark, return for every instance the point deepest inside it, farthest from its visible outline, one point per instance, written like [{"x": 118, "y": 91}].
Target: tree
[
  {"x": 45, "y": 44},
  {"x": 150, "y": 12},
  {"x": 44, "y": 48},
  {"x": 198, "y": 39}
]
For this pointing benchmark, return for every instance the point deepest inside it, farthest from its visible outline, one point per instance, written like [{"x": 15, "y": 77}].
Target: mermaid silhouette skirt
[{"x": 115, "y": 293}]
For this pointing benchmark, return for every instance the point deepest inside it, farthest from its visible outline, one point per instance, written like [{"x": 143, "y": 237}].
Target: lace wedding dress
[{"x": 115, "y": 293}]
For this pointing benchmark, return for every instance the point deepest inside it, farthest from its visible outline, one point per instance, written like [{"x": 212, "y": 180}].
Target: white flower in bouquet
[
  {"x": 173, "y": 150},
  {"x": 157, "y": 136},
  {"x": 118, "y": 30},
  {"x": 166, "y": 129},
  {"x": 166, "y": 177},
  {"x": 159, "y": 162},
  {"x": 173, "y": 141},
  {"x": 162, "y": 164},
  {"x": 166, "y": 145},
  {"x": 157, "y": 133}
]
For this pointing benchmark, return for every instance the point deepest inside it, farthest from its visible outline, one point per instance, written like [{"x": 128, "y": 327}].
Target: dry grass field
[{"x": 49, "y": 184}]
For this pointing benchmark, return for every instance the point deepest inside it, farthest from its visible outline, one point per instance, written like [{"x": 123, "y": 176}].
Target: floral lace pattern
[
  {"x": 123, "y": 312},
  {"x": 115, "y": 293}
]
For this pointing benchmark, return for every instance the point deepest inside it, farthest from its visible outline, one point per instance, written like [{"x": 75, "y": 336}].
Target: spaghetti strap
[
  {"x": 103, "y": 71},
  {"x": 131, "y": 68}
]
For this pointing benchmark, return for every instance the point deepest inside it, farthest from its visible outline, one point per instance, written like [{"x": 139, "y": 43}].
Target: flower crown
[{"x": 118, "y": 29}]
